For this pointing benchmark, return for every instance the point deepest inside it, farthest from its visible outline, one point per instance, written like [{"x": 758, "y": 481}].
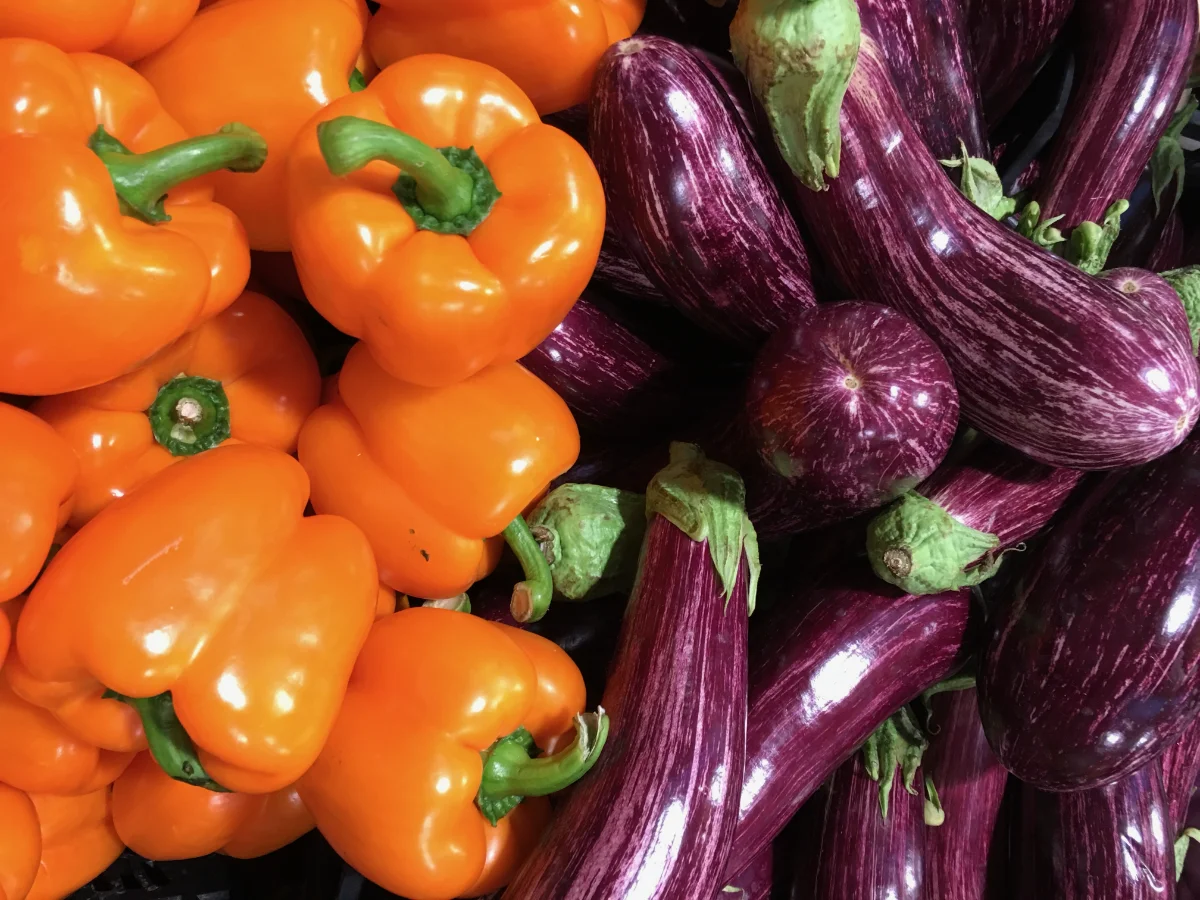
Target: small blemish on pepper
[{"x": 425, "y": 553}]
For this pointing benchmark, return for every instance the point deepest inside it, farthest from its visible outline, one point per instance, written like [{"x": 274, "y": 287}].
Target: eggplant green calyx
[
  {"x": 921, "y": 549},
  {"x": 591, "y": 536},
  {"x": 169, "y": 742},
  {"x": 899, "y": 743},
  {"x": 1090, "y": 242},
  {"x": 1167, "y": 162},
  {"x": 1186, "y": 282},
  {"x": 189, "y": 415},
  {"x": 707, "y": 501},
  {"x": 142, "y": 180},
  {"x": 980, "y": 183},
  {"x": 512, "y": 771},
  {"x": 1181, "y": 848},
  {"x": 447, "y": 190},
  {"x": 531, "y": 598},
  {"x": 798, "y": 56},
  {"x": 1042, "y": 233}
]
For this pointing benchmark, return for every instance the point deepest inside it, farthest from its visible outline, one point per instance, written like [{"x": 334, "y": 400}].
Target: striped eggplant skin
[
  {"x": 847, "y": 408},
  {"x": 755, "y": 882},
  {"x": 1009, "y": 38},
  {"x": 1107, "y": 843},
  {"x": 1133, "y": 60},
  {"x": 613, "y": 381},
  {"x": 865, "y": 856},
  {"x": 655, "y": 816},
  {"x": 1167, "y": 253},
  {"x": 618, "y": 271},
  {"x": 1047, "y": 359},
  {"x": 828, "y": 667},
  {"x": 970, "y": 783},
  {"x": 996, "y": 490},
  {"x": 1148, "y": 232},
  {"x": 1150, "y": 289},
  {"x": 925, "y": 43},
  {"x": 1180, "y": 767},
  {"x": 689, "y": 195},
  {"x": 1092, "y": 667}
]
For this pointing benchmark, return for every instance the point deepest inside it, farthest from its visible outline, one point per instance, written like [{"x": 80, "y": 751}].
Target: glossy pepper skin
[
  {"x": 123, "y": 29},
  {"x": 270, "y": 64},
  {"x": 209, "y": 583},
  {"x": 436, "y": 307},
  {"x": 20, "y": 843},
  {"x": 432, "y": 474},
  {"x": 163, "y": 819},
  {"x": 407, "y": 819},
  {"x": 247, "y": 374},
  {"x": 78, "y": 842},
  {"x": 88, "y": 291},
  {"x": 550, "y": 48},
  {"x": 38, "y": 474}
]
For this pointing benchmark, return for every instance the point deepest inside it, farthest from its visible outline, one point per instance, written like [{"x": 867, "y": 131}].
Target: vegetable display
[
  {"x": 1089, "y": 670},
  {"x": 689, "y": 196},
  {"x": 599, "y": 449}
]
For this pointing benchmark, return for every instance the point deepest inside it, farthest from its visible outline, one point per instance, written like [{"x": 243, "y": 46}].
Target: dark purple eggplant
[
  {"x": 1009, "y": 40},
  {"x": 755, "y": 881},
  {"x": 656, "y": 821},
  {"x": 846, "y": 409},
  {"x": 970, "y": 784},
  {"x": 1107, "y": 843},
  {"x": 1093, "y": 667},
  {"x": 1155, "y": 291},
  {"x": 829, "y": 667},
  {"x": 801, "y": 842},
  {"x": 614, "y": 382},
  {"x": 689, "y": 196},
  {"x": 1180, "y": 767},
  {"x": 1167, "y": 253},
  {"x": 924, "y": 42},
  {"x": 865, "y": 856},
  {"x": 1133, "y": 58},
  {"x": 1048, "y": 360},
  {"x": 949, "y": 532},
  {"x": 617, "y": 270}
]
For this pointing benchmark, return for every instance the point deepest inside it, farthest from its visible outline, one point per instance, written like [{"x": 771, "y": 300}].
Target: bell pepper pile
[{"x": 240, "y": 515}]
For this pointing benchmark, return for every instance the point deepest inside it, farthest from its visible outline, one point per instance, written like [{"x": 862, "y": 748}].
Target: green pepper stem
[
  {"x": 348, "y": 143},
  {"x": 190, "y": 415},
  {"x": 142, "y": 180},
  {"x": 511, "y": 772},
  {"x": 461, "y": 603},
  {"x": 531, "y": 597},
  {"x": 169, "y": 743}
]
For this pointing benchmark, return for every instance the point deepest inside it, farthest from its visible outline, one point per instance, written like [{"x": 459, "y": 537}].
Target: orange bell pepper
[
  {"x": 99, "y": 271},
  {"x": 39, "y": 754},
  {"x": 78, "y": 842},
  {"x": 270, "y": 64},
  {"x": 20, "y": 843},
  {"x": 550, "y": 48},
  {"x": 207, "y": 602},
  {"x": 444, "y": 818},
  {"x": 160, "y": 818},
  {"x": 38, "y": 473},
  {"x": 430, "y": 474},
  {"x": 123, "y": 29},
  {"x": 443, "y": 261},
  {"x": 247, "y": 374}
]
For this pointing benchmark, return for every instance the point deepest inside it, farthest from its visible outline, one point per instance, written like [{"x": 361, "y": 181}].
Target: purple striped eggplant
[
  {"x": 1093, "y": 666},
  {"x": 864, "y": 855},
  {"x": 970, "y": 784},
  {"x": 829, "y": 666},
  {"x": 1167, "y": 252},
  {"x": 614, "y": 382},
  {"x": 1152, "y": 290},
  {"x": 657, "y": 820},
  {"x": 1107, "y": 843},
  {"x": 617, "y": 270},
  {"x": 801, "y": 841},
  {"x": 689, "y": 195},
  {"x": 755, "y": 881},
  {"x": 1180, "y": 767},
  {"x": 1047, "y": 359},
  {"x": 924, "y": 42},
  {"x": 1009, "y": 39},
  {"x": 846, "y": 409},
  {"x": 1133, "y": 58},
  {"x": 949, "y": 533}
]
